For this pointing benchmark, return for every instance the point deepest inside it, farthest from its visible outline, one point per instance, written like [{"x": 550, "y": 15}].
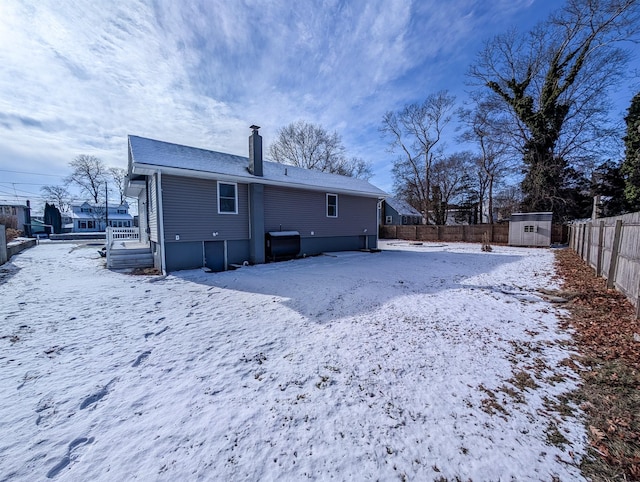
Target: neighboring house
[
  {"x": 16, "y": 213},
  {"x": 398, "y": 212},
  {"x": 87, "y": 217},
  {"x": 39, "y": 227},
  {"x": 204, "y": 208},
  {"x": 530, "y": 229}
]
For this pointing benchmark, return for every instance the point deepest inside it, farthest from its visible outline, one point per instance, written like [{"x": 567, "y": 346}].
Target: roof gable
[
  {"x": 402, "y": 208},
  {"x": 194, "y": 162}
]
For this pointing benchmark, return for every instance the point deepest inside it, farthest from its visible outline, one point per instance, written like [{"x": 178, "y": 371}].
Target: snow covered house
[
  {"x": 201, "y": 208},
  {"x": 398, "y": 212},
  {"x": 87, "y": 217}
]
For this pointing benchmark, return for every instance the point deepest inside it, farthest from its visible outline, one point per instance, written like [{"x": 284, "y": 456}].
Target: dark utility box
[{"x": 282, "y": 244}]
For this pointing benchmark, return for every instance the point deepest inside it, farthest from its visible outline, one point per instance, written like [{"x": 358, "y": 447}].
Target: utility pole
[{"x": 106, "y": 205}]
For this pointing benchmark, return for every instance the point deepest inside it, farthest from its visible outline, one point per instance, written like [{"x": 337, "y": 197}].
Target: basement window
[
  {"x": 227, "y": 198},
  {"x": 332, "y": 205}
]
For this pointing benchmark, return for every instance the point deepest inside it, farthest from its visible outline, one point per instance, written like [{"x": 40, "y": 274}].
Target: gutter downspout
[
  {"x": 161, "y": 225},
  {"x": 379, "y": 219}
]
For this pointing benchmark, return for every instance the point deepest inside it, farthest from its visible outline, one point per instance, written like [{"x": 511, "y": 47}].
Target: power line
[
  {"x": 25, "y": 183},
  {"x": 32, "y": 173}
]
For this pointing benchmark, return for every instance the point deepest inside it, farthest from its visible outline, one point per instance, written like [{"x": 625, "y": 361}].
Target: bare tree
[
  {"x": 451, "y": 181},
  {"x": 89, "y": 173},
  {"x": 310, "y": 146},
  {"x": 508, "y": 201},
  {"x": 488, "y": 132},
  {"x": 415, "y": 132},
  {"x": 118, "y": 175},
  {"x": 57, "y": 195},
  {"x": 552, "y": 83}
]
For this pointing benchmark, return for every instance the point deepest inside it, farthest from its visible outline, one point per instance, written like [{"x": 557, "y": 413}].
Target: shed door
[{"x": 529, "y": 236}]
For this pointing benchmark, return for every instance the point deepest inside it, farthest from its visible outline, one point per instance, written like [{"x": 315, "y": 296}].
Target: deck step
[
  {"x": 131, "y": 259},
  {"x": 129, "y": 251}
]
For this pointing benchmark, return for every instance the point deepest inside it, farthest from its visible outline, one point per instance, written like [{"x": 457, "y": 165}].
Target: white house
[{"x": 88, "y": 217}]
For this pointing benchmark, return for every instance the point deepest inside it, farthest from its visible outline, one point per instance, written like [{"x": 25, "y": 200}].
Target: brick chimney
[{"x": 255, "y": 152}]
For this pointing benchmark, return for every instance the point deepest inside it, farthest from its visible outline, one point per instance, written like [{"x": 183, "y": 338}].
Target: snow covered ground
[{"x": 425, "y": 362}]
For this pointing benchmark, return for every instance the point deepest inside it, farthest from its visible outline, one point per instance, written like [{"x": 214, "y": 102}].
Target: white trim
[
  {"x": 235, "y": 192},
  {"x": 147, "y": 169},
  {"x": 327, "y": 205},
  {"x": 163, "y": 262}
]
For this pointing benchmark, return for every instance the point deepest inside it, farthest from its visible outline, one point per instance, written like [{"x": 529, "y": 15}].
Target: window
[
  {"x": 404, "y": 220},
  {"x": 332, "y": 205},
  {"x": 91, "y": 224},
  {"x": 82, "y": 224},
  {"x": 529, "y": 229},
  {"x": 227, "y": 198},
  {"x": 388, "y": 219}
]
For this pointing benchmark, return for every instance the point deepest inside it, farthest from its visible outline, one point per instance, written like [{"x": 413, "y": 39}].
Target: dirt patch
[
  {"x": 145, "y": 271},
  {"x": 606, "y": 332}
]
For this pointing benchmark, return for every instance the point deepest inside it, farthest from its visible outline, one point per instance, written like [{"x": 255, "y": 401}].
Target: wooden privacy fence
[
  {"x": 611, "y": 246},
  {"x": 498, "y": 233}
]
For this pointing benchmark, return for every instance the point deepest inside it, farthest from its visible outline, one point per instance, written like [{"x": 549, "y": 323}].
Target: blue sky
[{"x": 77, "y": 77}]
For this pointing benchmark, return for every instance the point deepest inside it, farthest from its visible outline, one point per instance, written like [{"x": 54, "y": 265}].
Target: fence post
[
  {"x": 571, "y": 236},
  {"x": 614, "y": 254},
  {"x": 600, "y": 249},
  {"x": 589, "y": 227},
  {"x": 638, "y": 303}
]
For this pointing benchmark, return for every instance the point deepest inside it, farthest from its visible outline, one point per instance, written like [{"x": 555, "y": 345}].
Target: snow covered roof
[
  {"x": 113, "y": 216},
  {"x": 12, "y": 202},
  {"x": 403, "y": 208},
  {"x": 149, "y": 155},
  {"x": 545, "y": 216}
]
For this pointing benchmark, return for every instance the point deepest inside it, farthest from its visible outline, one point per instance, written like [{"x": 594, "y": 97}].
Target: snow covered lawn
[{"x": 422, "y": 362}]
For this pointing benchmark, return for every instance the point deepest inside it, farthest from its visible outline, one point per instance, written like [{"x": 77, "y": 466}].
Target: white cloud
[{"x": 78, "y": 77}]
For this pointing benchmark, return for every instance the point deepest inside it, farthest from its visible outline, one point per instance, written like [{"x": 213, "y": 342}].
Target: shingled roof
[{"x": 149, "y": 155}]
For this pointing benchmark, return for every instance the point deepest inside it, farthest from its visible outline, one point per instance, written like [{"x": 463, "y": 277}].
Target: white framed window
[
  {"x": 529, "y": 229},
  {"x": 227, "y": 198},
  {"x": 332, "y": 205},
  {"x": 388, "y": 219}
]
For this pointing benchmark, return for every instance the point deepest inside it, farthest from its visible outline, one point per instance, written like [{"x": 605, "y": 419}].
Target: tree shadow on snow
[{"x": 338, "y": 285}]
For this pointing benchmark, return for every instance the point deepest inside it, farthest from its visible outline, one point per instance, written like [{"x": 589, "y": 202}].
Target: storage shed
[{"x": 530, "y": 229}]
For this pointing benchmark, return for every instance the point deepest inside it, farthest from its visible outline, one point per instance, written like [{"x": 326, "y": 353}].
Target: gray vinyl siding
[
  {"x": 191, "y": 212},
  {"x": 143, "y": 216},
  {"x": 389, "y": 211},
  {"x": 306, "y": 211},
  {"x": 153, "y": 208}
]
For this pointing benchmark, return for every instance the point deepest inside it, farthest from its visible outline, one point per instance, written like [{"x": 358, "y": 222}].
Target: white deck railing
[{"x": 122, "y": 234}]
